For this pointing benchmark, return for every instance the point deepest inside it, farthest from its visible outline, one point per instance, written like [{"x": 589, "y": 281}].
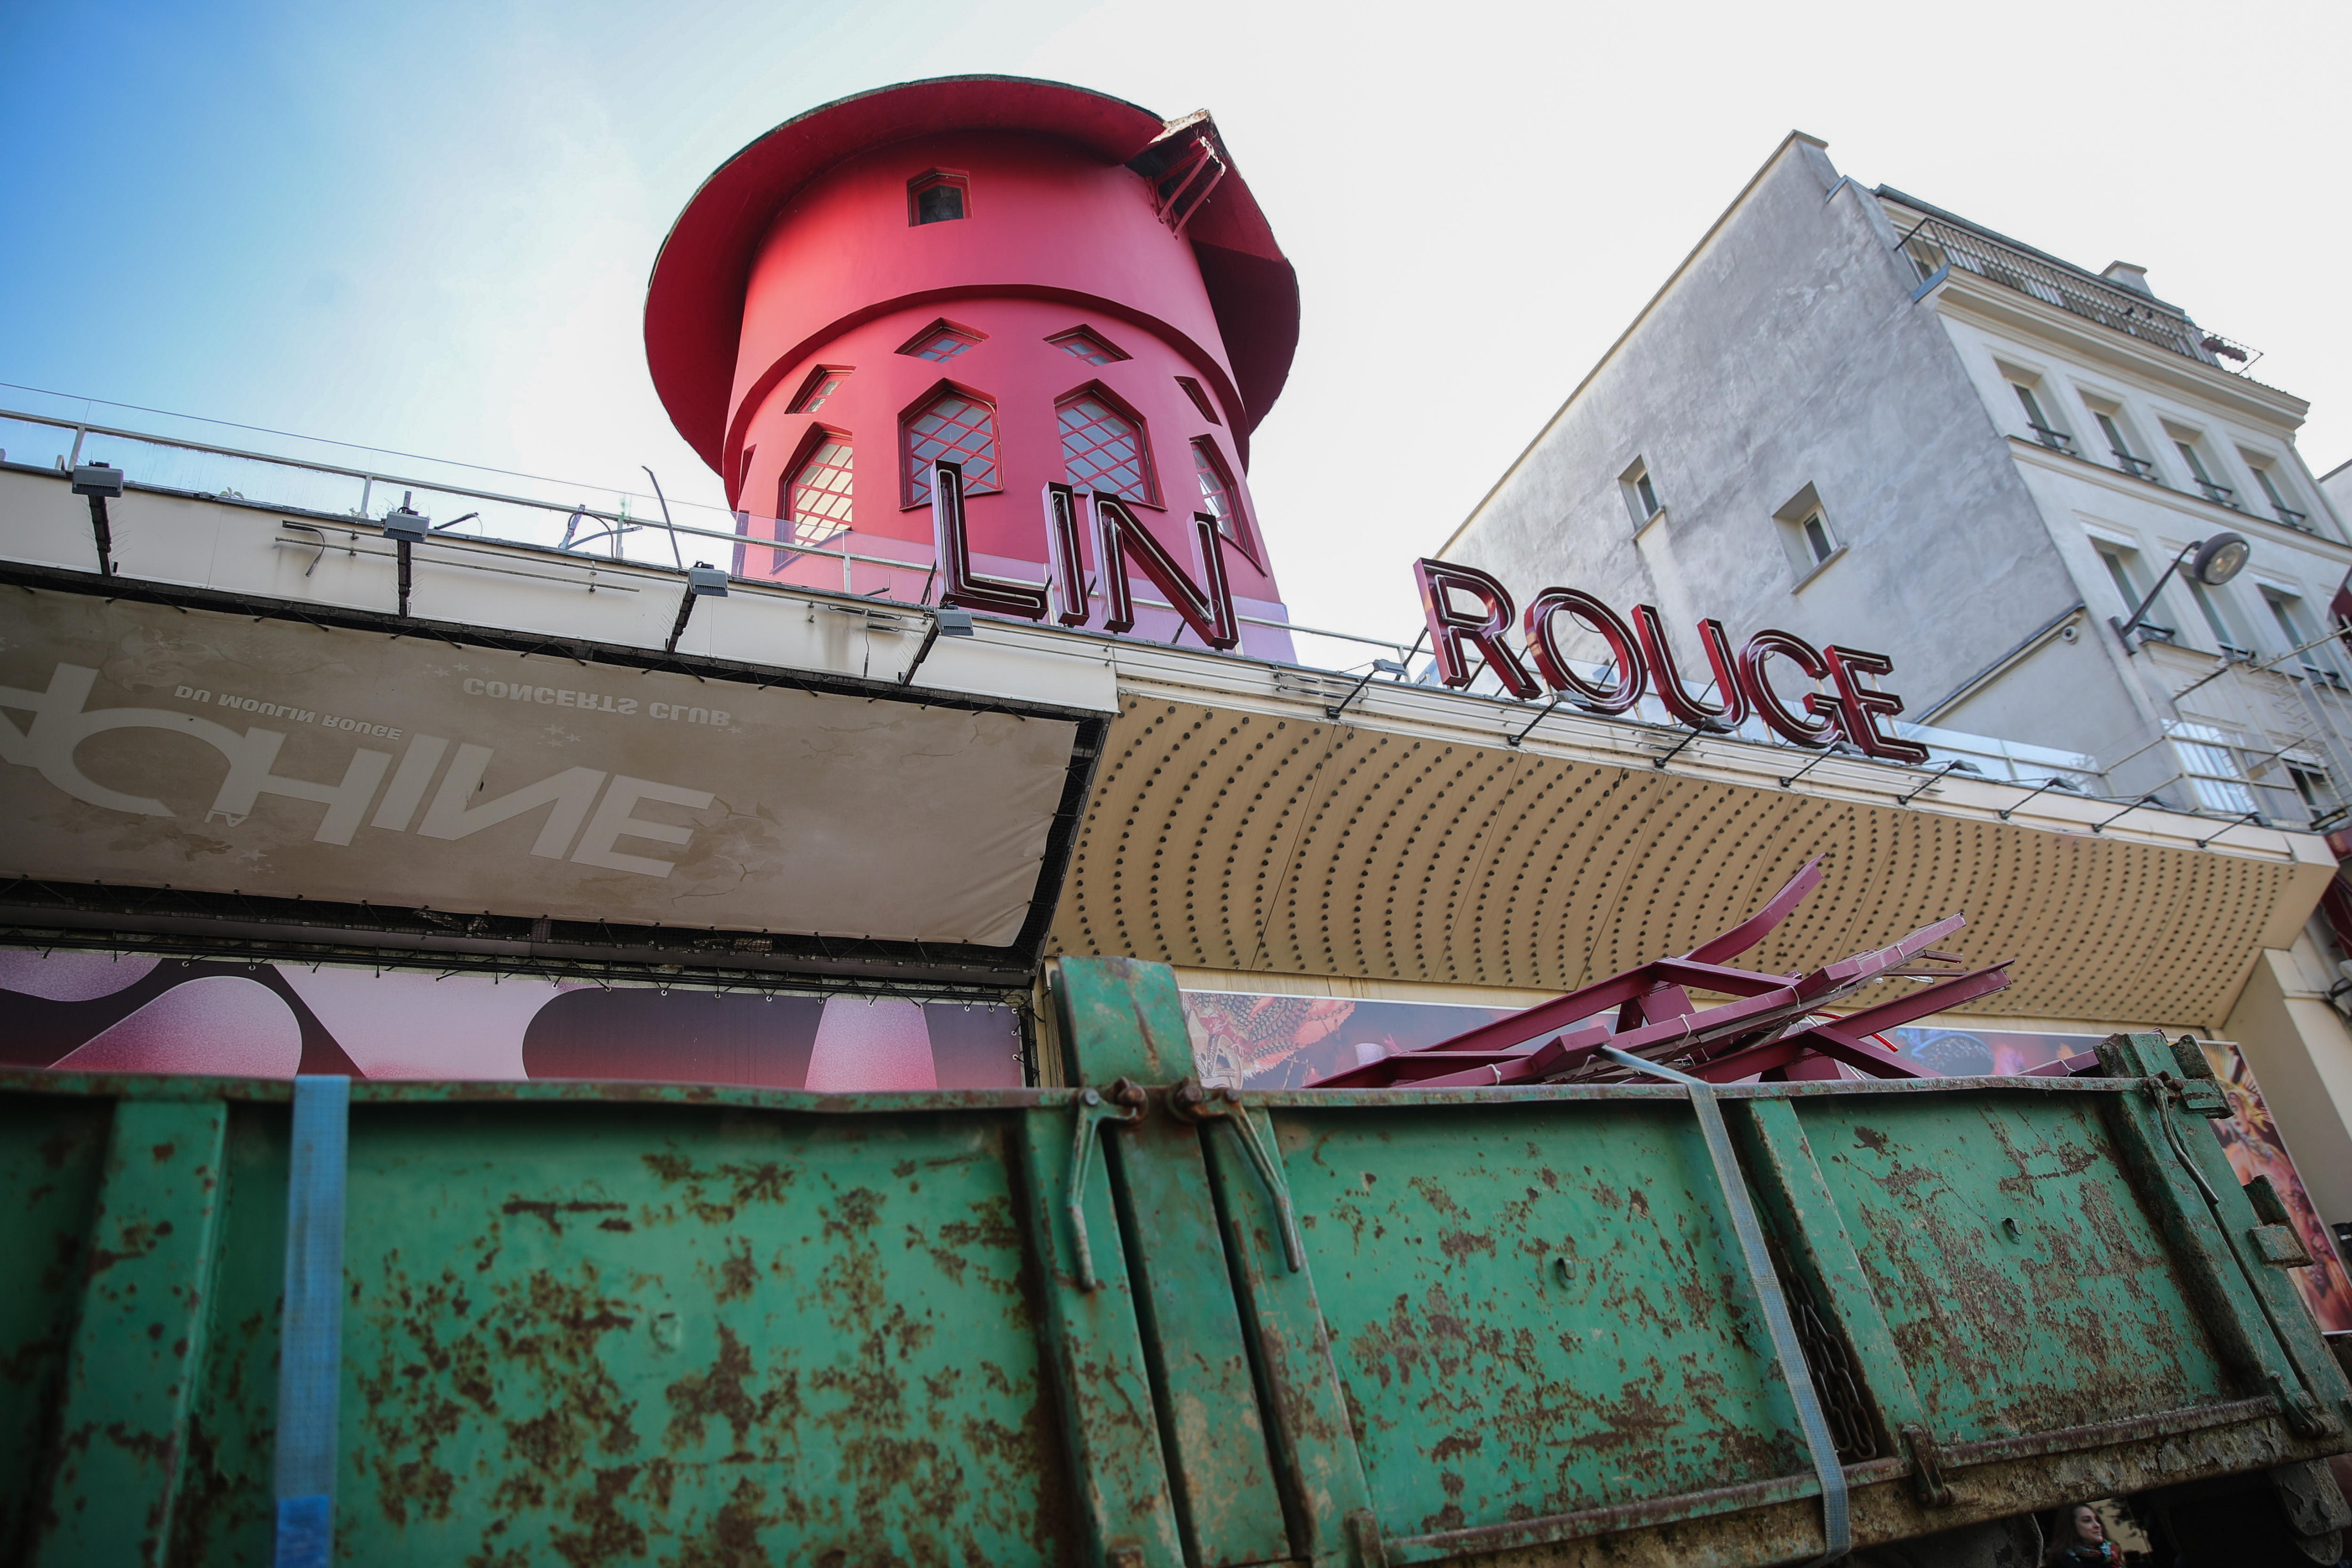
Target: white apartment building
[{"x": 1860, "y": 419}]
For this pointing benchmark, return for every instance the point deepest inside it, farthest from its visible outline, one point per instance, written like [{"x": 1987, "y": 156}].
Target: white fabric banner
[{"x": 148, "y": 745}]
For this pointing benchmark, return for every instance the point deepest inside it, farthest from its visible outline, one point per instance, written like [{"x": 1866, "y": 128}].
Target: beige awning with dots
[{"x": 1240, "y": 830}]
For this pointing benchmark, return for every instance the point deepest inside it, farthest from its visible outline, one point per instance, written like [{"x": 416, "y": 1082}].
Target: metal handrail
[
  {"x": 2109, "y": 304},
  {"x": 620, "y": 522}
]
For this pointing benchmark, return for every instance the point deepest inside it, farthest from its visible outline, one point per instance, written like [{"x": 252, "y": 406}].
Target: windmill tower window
[
  {"x": 957, "y": 426},
  {"x": 943, "y": 196},
  {"x": 1103, "y": 448}
]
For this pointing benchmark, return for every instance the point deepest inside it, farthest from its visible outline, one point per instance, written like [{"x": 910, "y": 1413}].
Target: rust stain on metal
[
  {"x": 719, "y": 1393},
  {"x": 548, "y": 1211}
]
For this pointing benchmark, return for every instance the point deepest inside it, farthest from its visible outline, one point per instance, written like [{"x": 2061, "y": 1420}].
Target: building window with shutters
[
  {"x": 959, "y": 426},
  {"x": 1104, "y": 449},
  {"x": 813, "y": 497}
]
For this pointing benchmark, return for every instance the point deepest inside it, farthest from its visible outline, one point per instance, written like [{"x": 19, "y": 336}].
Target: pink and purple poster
[{"x": 91, "y": 1012}]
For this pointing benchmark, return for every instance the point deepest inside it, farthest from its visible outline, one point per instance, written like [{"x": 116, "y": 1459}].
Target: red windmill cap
[{"x": 694, "y": 301}]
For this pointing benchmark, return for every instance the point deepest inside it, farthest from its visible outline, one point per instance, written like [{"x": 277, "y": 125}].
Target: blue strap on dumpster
[
  {"x": 1837, "y": 1528},
  {"x": 310, "y": 1364}
]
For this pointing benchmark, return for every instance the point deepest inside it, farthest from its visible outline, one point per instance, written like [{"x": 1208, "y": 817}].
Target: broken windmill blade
[{"x": 1774, "y": 1026}]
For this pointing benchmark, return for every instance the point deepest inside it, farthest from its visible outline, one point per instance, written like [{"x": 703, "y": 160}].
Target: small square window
[
  {"x": 1805, "y": 532},
  {"x": 943, "y": 196},
  {"x": 1641, "y": 494}
]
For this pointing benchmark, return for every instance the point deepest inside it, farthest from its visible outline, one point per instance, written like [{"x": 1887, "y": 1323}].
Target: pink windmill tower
[{"x": 1039, "y": 285}]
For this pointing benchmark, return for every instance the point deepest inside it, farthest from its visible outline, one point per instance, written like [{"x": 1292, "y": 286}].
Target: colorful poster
[
  {"x": 94, "y": 1011},
  {"x": 1264, "y": 1041},
  {"x": 2255, "y": 1149}
]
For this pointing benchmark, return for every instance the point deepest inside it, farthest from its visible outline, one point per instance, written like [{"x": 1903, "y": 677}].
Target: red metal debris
[{"x": 1775, "y": 1027}]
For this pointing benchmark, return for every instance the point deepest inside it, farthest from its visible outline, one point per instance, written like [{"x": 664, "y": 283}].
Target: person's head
[{"x": 2088, "y": 1529}]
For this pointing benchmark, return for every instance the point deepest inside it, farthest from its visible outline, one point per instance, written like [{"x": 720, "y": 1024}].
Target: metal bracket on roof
[{"x": 1184, "y": 166}]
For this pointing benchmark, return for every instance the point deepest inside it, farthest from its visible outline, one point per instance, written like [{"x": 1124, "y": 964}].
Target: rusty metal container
[{"x": 1135, "y": 1322}]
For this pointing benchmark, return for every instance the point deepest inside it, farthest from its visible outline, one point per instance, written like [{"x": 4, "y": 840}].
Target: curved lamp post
[{"x": 2211, "y": 561}]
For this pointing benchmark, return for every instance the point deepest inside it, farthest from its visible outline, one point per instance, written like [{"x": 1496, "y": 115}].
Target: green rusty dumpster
[{"x": 1133, "y": 1322}]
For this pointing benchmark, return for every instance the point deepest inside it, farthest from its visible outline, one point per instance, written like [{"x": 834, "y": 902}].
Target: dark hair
[{"x": 2058, "y": 1533}]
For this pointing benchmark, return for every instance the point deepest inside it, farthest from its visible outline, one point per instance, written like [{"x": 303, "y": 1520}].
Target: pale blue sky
[{"x": 427, "y": 225}]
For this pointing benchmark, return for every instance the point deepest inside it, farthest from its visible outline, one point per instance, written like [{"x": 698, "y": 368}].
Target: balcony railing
[{"x": 1934, "y": 244}]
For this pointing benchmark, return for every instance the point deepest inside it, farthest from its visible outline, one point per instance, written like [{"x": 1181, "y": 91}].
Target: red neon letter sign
[
  {"x": 1450, "y": 627},
  {"x": 959, "y": 584},
  {"x": 1207, "y": 607},
  {"x": 1069, "y": 585},
  {"x": 1631, "y": 674},
  {"x": 1863, "y": 706},
  {"x": 1819, "y": 730},
  {"x": 1694, "y": 712}
]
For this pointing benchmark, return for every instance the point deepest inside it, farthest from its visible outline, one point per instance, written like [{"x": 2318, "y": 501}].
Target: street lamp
[{"x": 2212, "y": 561}]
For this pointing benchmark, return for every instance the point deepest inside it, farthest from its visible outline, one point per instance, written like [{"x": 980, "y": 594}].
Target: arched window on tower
[
  {"x": 814, "y": 497},
  {"x": 1219, "y": 497},
  {"x": 1103, "y": 447},
  {"x": 957, "y": 425}
]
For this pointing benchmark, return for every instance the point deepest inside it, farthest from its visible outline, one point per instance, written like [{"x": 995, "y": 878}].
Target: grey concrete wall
[
  {"x": 2337, "y": 486},
  {"x": 1790, "y": 352}
]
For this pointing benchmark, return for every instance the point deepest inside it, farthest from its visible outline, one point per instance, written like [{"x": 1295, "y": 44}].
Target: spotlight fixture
[
  {"x": 99, "y": 481},
  {"x": 947, "y": 621},
  {"x": 406, "y": 528},
  {"x": 702, "y": 581}
]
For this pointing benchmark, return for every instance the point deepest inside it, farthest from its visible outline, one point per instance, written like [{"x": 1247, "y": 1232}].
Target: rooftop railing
[
  {"x": 1934, "y": 244},
  {"x": 1326, "y": 664},
  {"x": 647, "y": 529}
]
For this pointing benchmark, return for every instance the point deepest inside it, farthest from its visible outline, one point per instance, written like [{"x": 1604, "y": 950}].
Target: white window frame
[{"x": 1640, "y": 488}]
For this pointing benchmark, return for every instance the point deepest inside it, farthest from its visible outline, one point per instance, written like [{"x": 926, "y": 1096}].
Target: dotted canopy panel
[{"x": 1247, "y": 841}]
